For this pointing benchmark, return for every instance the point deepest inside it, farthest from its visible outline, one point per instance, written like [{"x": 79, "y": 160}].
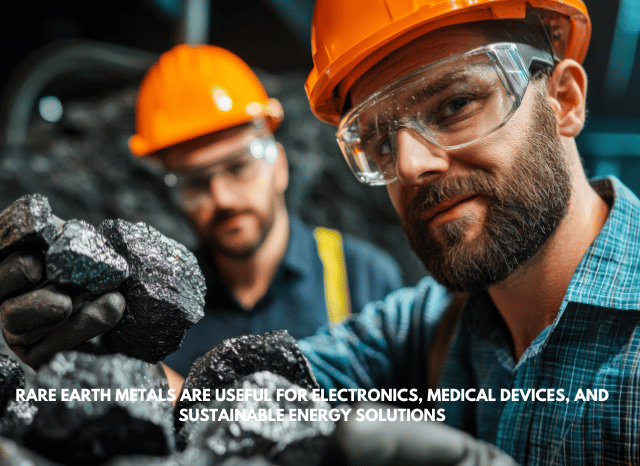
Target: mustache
[
  {"x": 225, "y": 214},
  {"x": 477, "y": 182}
]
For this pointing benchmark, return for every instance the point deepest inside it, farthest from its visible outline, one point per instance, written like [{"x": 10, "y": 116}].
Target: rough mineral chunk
[
  {"x": 90, "y": 432},
  {"x": 164, "y": 292},
  {"x": 234, "y": 358},
  {"x": 11, "y": 377},
  {"x": 247, "y": 436},
  {"x": 27, "y": 223},
  {"x": 16, "y": 419},
  {"x": 82, "y": 260}
]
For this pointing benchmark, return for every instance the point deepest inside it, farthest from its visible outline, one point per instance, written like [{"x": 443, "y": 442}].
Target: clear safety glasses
[
  {"x": 451, "y": 103},
  {"x": 237, "y": 168}
]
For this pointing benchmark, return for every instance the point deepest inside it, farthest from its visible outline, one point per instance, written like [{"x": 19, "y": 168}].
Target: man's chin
[{"x": 235, "y": 251}]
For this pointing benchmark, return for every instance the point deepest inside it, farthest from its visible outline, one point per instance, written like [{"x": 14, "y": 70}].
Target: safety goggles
[
  {"x": 450, "y": 103},
  {"x": 236, "y": 168}
]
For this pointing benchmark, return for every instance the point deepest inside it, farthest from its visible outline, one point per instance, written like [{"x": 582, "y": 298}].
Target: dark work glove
[
  {"x": 37, "y": 323},
  {"x": 409, "y": 443}
]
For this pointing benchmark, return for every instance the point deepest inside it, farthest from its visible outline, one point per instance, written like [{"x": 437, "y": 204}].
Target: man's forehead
[
  {"x": 422, "y": 51},
  {"x": 210, "y": 148}
]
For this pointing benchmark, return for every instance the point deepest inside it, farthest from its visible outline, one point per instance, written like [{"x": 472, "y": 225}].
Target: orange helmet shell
[
  {"x": 192, "y": 91},
  {"x": 349, "y": 37}
]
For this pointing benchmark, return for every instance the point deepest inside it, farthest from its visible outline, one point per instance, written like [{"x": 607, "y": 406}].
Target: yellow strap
[{"x": 336, "y": 289}]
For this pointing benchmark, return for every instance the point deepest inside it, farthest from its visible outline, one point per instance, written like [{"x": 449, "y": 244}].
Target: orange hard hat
[
  {"x": 192, "y": 91},
  {"x": 349, "y": 37}
]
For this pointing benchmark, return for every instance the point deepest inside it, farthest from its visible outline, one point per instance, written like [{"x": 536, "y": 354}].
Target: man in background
[{"x": 204, "y": 115}]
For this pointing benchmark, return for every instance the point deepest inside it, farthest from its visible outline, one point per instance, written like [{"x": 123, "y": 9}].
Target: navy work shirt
[{"x": 295, "y": 301}]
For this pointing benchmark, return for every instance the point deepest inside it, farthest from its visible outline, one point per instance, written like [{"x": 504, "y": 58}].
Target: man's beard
[
  {"x": 245, "y": 251},
  {"x": 523, "y": 211}
]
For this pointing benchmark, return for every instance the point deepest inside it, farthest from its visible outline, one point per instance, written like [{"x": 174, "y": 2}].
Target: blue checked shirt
[{"x": 592, "y": 344}]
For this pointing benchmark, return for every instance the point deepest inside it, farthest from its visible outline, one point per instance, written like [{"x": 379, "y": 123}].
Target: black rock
[
  {"x": 309, "y": 451},
  {"x": 16, "y": 419},
  {"x": 91, "y": 432},
  {"x": 11, "y": 377},
  {"x": 12, "y": 454},
  {"x": 82, "y": 260},
  {"x": 27, "y": 224},
  {"x": 164, "y": 292},
  {"x": 235, "y": 358},
  {"x": 246, "y": 437}
]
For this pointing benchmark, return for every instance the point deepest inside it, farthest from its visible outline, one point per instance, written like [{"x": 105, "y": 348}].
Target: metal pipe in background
[{"x": 54, "y": 61}]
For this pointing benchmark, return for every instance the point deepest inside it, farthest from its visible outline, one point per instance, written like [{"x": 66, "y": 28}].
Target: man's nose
[
  {"x": 223, "y": 191},
  {"x": 418, "y": 161}
]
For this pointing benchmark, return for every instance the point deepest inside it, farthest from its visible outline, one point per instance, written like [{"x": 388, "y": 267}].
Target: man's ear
[
  {"x": 567, "y": 93},
  {"x": 281, "y": 170}
]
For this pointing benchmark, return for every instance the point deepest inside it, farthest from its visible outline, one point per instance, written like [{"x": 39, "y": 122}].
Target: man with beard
[
  {"x": 204, "y": 116},
  {"x": 265, "y": 269},
  {"x": 467, "y": 112}
]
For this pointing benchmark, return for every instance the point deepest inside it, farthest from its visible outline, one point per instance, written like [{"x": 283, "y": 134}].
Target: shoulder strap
[
  {"x": 336, "y": 288},
  {"x": 441, "y": 339}
]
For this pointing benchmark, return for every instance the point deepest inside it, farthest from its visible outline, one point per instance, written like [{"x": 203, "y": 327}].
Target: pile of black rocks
[{"x": 113, "y": 429}]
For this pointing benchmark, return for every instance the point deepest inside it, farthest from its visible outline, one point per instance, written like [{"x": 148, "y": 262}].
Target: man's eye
[
  {"x": 237, "y": 168},
  {"x": 454, "y": 105},
  {"x": 384, "y": 154},
  {"x": 384, "y": 147}
]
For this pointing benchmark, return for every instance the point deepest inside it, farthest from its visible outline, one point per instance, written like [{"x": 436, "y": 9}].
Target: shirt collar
[
  {"x": 609, "y": 273},
  {"x": 296, "y": 261},
  {"x": 298, "y": 258}
]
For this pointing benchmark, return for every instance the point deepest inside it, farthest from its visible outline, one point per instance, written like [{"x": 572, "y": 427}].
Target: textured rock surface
[
  {"x": 235, "y": 358},
  {"x": 26, "y": 223},
  {"x": 16, "y": 419},
  {"x": 90, "y": 432},
  {"x": 11, "y": 377},
  {"x": 82, "y": 260},
  {"x": 247, "y": 437},
  {"x": 164, "y": 292}
]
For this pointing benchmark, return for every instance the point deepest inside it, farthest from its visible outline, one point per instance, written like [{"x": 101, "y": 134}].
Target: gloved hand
[
  {"x": 408, "y": 443},
  {"x": 37, "y": 323}
]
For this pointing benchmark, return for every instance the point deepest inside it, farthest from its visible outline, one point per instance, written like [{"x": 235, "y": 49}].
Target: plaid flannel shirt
[{"x": 592, "y": 344}]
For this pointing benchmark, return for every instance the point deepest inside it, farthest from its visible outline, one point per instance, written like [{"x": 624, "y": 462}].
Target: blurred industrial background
[{"x": 71, "y": 70}]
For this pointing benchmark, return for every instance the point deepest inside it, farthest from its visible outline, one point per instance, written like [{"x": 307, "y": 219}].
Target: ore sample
[
  {"x": 234, "y": 358},
  {"x": 82, "y": 260},
  {"x": 16, "y": 415},
  {"x": 95, "y": 430},
  {"x": 246, "y": 435},
  {"x": 16, "y": 419},
  {"x": 27, "y": 224},
  {"x": 164, "y": 292},
  {"x": 11, "y": 377},
  {"x": 12, "y": 454}
]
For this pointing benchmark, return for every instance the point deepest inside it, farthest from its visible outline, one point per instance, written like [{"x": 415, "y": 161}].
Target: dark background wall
[{"x": 81, "y": 160}]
